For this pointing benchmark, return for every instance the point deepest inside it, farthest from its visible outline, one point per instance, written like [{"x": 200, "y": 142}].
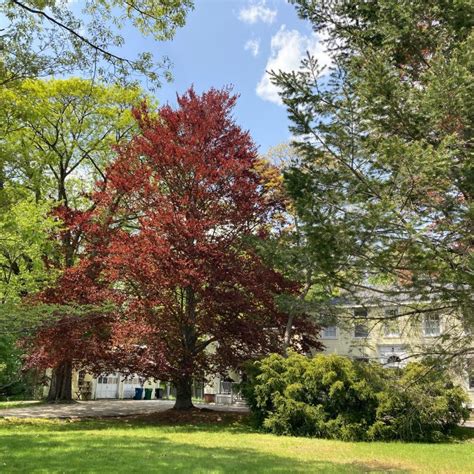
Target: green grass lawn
[
  {"x": 17, "y": 404},
  {"x": 147, "y": 445}
]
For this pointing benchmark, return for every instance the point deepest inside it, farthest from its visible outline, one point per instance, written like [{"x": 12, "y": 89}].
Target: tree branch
[{"x": 106, "y": 53}]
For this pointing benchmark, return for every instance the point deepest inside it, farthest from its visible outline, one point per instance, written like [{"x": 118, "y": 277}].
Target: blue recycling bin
[{"x": 138, "y": 393}]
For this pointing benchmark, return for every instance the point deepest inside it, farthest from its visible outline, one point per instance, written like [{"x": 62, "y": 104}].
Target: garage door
[{"x": 107, "y": 386}]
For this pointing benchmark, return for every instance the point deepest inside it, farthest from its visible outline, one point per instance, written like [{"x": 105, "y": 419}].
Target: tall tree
[
  {"x": 25, "y": 238},
  {"x": 65, "y": 134},
  {"x": 383, "y": 180},
  {"x": 172, "y": 240},
  {"x": 58, "y": 145},
  {"x": 286, "y": 248}
]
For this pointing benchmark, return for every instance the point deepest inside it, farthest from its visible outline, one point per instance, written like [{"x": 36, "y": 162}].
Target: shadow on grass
[
  {"x": 228, "y": 425},
  {"x": 228, "y": 422},
  {"x": 52, "y": 452},
  {"x": 199, "y": 419}
]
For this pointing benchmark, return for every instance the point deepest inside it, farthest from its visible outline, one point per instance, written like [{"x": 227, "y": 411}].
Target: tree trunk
[
  {"x": 184, "y": 392},
  {"x": 184, "y": 380},
  {"x": 291, "y": 317},
  {"x": 61, "y": 383},
  {"x": 61, "y": 379},
  {"x": 287, "y": 336}
]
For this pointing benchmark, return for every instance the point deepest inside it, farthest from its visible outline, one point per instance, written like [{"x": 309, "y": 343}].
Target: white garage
[{"x": 107, "y": 386}]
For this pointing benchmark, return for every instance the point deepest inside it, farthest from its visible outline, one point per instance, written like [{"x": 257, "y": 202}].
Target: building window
[
  {"x": 226, "y": 386},
  {"x": 431, "y": 325},
  {"x": 471, "y": 382},
  {"x": 392, "y": 356},
  {"x": 360, "y": 328},
  {"x": 393, "y": 359},
  {"x": 391, "y": 326},
  {"x": 329, "y": 332},
  {"x": 107, "y": 379}
]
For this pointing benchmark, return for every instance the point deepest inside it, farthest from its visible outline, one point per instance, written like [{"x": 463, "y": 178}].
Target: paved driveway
[{"x": 101, "y": 408}]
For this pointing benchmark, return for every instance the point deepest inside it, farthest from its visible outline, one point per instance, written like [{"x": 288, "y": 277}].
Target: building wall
[
  {"x": 383, "y": 340},
  {"x": 390, "y": 340},
  {"x": 382, "y": 343}
]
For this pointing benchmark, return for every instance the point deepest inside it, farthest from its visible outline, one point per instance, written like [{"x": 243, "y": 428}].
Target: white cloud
[
  {"x": 288, "y": 47},
  {"x": 253, "y": 45},
  {"x": 257, "y": 10}
]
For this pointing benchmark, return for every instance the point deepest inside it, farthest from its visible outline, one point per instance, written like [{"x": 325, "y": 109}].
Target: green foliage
[
  {"x": 58, "y": 139},
  {"x": 383, "y": 178},
  {"x": 10, "y": 365},
  {"x": 63, "y": 133},
  {"x": 26, "y": 229},
  {"x": 334, "y": 397},
  {"x": 25, "y": 239},
  {"x": 53, "y": 37},
  {"x": 423, "y": 406}
]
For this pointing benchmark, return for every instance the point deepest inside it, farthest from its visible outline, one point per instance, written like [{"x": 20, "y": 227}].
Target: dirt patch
[{"x": 194, "y": 416}]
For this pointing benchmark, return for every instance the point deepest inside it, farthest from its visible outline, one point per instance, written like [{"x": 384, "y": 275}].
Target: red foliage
[{"x": 169, "y": 243}]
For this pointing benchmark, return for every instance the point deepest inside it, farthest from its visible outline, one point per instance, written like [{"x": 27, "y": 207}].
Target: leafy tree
[
  {"x": 66, "y": 130},
  {"x": 60, "y": 138},
  {"x": 169, "y": 243},
  {"x": 423, "y": 405},
  {"x": 382, "y": 181},
  {"x": 25, "y": 231},
  {"x": 63, "y": 131},
  {"x": 286, "y": 249},
  {"x": 45, "y": 37}
]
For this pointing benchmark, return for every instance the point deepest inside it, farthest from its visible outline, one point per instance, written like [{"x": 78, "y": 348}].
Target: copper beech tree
[{"x": 170, "y": 244}]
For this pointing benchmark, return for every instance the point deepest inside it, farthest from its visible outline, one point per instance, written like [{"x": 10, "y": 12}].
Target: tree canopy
[
  {"x": 46, "y": 37},
  {"x": 383, "y": 179},
  {"x": 169, "y": 243},
  {"x": 59, "y": 137}
]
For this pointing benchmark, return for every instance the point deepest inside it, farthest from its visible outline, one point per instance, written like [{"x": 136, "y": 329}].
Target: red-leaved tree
[{"x": 172, "y": 236}]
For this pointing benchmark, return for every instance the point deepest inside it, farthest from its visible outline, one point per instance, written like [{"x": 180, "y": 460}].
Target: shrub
[
  {"x": 423, "y": 406},
  {"x": 333, "y": 397}
]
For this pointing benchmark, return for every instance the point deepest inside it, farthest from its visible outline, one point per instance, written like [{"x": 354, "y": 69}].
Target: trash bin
[
  {"x": 138, "y": 393},
  {"x": 209, "y": 398},
  {"x": 148, "y": 392},
  {"x": 159, "y": 393}
]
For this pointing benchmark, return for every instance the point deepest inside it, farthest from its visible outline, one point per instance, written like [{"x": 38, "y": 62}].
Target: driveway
[{"x": 103, "y": 408}]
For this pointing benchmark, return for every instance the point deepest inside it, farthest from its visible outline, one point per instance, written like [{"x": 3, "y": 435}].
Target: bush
[
  {"x": 333, "y": 397},
  {"x": 423, "y": 406}
]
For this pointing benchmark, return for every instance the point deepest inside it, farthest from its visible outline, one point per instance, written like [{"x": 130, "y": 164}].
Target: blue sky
[{"x": 234, "y": 42}]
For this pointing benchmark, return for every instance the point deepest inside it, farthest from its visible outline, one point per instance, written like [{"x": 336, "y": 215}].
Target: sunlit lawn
[
  {"x": 122, "y": 445},
  {"x": 17, "y": 404}
]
